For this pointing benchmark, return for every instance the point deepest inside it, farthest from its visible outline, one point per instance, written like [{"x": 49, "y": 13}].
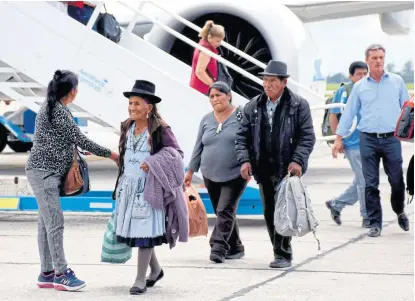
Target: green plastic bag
[{"x": 113, "y": 251}]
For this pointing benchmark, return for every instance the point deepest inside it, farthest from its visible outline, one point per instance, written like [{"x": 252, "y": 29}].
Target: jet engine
[
  {"x": 398, "y": 23},
  {"x": 263, "y": 29}
]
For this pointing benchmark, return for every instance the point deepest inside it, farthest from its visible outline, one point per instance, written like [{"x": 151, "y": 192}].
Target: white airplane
[
  {"x": 263, "y": 29},
  {"x": 37, "y": 39}
]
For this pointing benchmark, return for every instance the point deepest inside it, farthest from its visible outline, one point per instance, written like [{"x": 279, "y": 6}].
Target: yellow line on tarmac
[{"x": 9, "y": 203}]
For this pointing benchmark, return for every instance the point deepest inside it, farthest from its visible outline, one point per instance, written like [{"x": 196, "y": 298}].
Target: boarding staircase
[{"x": 38, "y": 39}]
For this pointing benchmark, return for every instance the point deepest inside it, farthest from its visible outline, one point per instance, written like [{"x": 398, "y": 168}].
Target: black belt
[{"x": 380, "y": 136}]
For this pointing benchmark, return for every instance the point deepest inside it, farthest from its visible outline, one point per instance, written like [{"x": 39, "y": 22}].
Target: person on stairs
[
  {"x": 204, "y": 67},
  {"x": 137, "y": 222},
  {"x": 82, "y": 11},
  {"x": 56, "y": 136}
]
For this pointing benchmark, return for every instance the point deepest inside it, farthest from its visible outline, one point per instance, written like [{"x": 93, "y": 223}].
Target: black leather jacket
[{"x": 296, "y": 133}]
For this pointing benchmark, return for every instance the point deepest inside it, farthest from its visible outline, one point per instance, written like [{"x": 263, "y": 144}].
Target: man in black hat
[{"x": 275, "y": 138}]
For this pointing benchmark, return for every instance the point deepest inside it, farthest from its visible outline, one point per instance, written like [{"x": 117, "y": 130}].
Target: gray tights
[{"x": 146, "y": 257}]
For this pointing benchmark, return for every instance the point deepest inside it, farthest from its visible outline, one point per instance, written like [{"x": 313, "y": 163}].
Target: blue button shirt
[
  {"x": 352, "y": 141},
  {"x": 271, "y": 107},
  {"x": 379, "y": 104}
]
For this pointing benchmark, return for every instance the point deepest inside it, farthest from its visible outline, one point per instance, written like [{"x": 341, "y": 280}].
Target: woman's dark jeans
[{"x": 225, "y": 198}]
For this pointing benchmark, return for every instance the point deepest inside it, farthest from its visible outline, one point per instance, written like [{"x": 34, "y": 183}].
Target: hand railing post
[
  {"x": 135, "y": 18},
  {"x": 233, "y": 49},
  {"x": 95, "y": 15}
]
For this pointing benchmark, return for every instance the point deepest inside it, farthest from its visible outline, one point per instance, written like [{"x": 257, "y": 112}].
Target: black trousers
[
  {"x": 372, "y": 149},
  {"x": 281, "y": 244},
  {"x": 225, "y": 198}
]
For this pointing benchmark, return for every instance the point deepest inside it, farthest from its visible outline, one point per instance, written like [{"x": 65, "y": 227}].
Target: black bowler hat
[
  {"x": 275, "y": 68},
  {"x": 144, "y": 89}
]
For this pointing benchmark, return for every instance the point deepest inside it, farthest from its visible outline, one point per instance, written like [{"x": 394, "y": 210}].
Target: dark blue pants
[
  {"x": 82, "y": 14},
  {"x": 389, "y": 149}
]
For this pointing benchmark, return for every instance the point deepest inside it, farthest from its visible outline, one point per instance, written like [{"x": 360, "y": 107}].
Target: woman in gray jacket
[
  {"x": 214, "y": 153},
  {"x": 52, "y": 154}
]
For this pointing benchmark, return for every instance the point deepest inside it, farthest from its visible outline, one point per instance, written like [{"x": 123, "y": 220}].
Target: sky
[{"x": 338, "y": 48}]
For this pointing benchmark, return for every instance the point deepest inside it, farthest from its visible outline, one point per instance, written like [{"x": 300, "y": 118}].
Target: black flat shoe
[
  {"x": 137, "y": 291},
  {"x": 335, "y": 215},
  {"x": 150, "y": 283},
  {"x": 217, "y": 258},
  {"x": 238, "y": 255}
]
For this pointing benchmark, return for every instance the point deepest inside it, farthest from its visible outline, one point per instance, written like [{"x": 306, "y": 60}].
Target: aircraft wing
[{"x": 313, "y": 11}]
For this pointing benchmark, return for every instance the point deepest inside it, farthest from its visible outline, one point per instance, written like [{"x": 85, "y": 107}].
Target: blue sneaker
[
  {"x": 68, "y": 282},
  {"x": 45, "y": 281}
]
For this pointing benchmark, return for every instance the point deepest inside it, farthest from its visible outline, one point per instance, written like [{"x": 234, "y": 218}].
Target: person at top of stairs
[
  {"x": 82, "y": 11},
  {"x": 204, "y": 67},
  {"x": 55, "y": 139}
]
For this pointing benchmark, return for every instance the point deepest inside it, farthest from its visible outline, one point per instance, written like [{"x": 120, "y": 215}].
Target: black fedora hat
[
  {"x": 275, "y": 68},
  {"x": 144, "y": 89}
]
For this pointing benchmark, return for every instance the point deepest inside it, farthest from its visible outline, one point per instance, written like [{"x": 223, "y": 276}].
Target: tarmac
[{"x": 349, "y": 267}]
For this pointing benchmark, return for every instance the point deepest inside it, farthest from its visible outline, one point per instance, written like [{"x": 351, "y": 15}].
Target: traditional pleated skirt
[{"x": 137, "y": 223}]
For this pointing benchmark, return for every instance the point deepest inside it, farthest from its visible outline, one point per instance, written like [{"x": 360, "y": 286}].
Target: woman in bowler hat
[{"x": 136, "y": 222}]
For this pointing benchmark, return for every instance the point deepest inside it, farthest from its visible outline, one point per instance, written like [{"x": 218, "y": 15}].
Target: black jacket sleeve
[
  {"x": 306, "y": 136},
  {"x": 243, "y": 142}
]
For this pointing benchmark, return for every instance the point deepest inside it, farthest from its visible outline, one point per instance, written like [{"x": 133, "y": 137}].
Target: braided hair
[{"x": 61, "y": 85}]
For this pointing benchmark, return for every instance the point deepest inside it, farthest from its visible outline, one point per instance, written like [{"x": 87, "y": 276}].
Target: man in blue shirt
[
  {"x": 356, "y": 191},
  {"x": 378, "y": 98}
]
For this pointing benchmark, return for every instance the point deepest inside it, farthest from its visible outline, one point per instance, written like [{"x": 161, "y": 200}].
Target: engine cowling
[
  {"x": 398, "y": 23},
  {"x": 263, "y": 29}
]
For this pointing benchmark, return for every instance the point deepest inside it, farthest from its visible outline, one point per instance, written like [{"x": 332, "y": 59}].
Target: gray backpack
[{"x": 293, "y": 215}]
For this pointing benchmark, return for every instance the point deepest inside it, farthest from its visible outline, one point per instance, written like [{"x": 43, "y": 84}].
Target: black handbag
[
  {"x": 224, "y": 75},
  {"x": 109, "y": 27}
]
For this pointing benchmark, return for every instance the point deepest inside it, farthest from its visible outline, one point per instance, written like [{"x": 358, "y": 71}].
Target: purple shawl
[{"x": 164, "y": 188}]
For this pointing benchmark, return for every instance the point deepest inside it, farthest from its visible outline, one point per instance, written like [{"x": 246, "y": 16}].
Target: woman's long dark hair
[
  {"x": 156, "y": 126},
  {"x": 60, "y": 86},
  {"x": 154, "y": 119}
]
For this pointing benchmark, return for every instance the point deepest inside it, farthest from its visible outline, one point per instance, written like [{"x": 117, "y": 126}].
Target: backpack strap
[
  {"x": 308, "y": 197},
  {"x": 348, "y": 88},
  {"x": 295, "y": 191}
]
